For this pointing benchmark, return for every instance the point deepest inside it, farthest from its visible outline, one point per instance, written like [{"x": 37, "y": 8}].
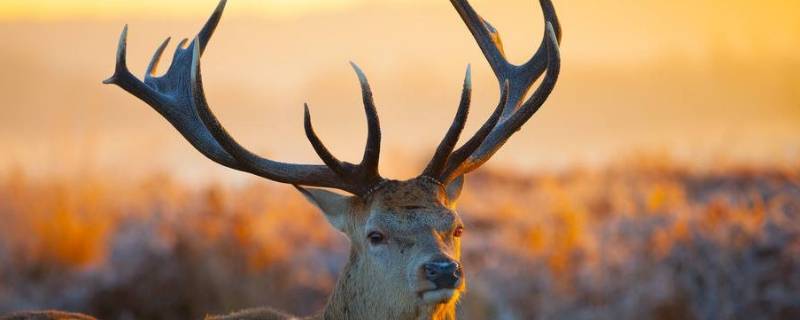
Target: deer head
[{"x": 405, "y": 258}]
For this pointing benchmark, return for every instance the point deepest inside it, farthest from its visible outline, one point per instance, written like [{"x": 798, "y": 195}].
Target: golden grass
[{"x": 644, "y": 238}]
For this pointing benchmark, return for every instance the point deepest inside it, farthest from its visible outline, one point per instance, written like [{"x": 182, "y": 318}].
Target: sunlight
[
  {"x": 56, "y": 9},
  {"x": 660, "y": 180}
]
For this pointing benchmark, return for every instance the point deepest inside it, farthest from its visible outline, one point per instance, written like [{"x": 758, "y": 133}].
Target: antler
[
  {"x": 515, "y": 82},
  {"x": 178, "y": 96}
]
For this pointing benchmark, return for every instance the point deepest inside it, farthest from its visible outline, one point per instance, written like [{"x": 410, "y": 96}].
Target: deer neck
[{"x": 357, "y": 297}]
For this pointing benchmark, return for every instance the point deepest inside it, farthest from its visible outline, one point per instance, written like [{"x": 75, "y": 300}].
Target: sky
[
  {"x": 697, "y": 79},
  {"x": 690, "y": 27},
  {"x": 58, "y": 9}
]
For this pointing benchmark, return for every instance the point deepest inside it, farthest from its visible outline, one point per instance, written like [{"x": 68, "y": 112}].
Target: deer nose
[{"x": 443, "y": 273}]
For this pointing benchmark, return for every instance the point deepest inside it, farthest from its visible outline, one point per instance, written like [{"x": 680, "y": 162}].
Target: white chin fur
[{"x": 438, "y": 296}]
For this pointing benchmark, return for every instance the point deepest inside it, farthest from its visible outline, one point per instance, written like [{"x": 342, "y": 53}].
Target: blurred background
[{"x": 660, "y": 181}]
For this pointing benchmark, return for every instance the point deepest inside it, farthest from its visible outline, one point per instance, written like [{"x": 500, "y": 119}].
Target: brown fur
[
  {"x": 379, "y": 282},
  {"x": 254, "y": 314}
]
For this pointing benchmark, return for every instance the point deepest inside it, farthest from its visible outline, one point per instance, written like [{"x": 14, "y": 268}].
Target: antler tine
[
  {"x": 372, "y": 150},
  {"x": 151, "y": 68},
  {"x": 515, "y": 81},
  {"x": 456, "y": 163},
  {"x": 537, "y": 63},
  {"x": 121, "y": 63},
  {"x": 437, "y": 164},
  {"x": 367, "y": 170},
  {"x": 309, "y": 175},
  {"x": 211, "y": 25},
  {"x": 486, "y": 35},
  {"x": 327, "y": 157},
  {"x": 125, "y": 79}
]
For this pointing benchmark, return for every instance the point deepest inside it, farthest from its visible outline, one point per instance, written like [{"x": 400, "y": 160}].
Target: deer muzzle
[{"x": 445, "y": 274}]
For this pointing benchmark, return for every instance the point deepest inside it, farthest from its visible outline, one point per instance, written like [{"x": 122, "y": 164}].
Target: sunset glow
[
  {"x": 57, "y": 9},
  {"x": 660, "y": 179}
]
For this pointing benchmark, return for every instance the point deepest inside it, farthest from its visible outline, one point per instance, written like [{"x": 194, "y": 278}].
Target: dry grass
[{"x": 642, "y": 239}]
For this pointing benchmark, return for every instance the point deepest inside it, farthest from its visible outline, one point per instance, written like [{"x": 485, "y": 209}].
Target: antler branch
[
  {"x": 437, "y": 164},
  {"x": 515, "y": 82},
  {"x": 178, "y": 96}
]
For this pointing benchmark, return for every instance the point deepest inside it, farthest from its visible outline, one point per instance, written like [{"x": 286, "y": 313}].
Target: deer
[{"x": 405, "y": 235}]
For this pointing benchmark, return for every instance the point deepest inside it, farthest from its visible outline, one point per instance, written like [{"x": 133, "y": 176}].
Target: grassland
[{"x": 639, "y": 239}]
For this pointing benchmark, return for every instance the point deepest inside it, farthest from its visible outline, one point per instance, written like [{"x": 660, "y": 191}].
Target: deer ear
[
  {"x": 453, "y": 188},
  {"x": 336, "y": 207}
]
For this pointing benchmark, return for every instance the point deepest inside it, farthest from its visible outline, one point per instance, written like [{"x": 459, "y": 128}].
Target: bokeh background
[{"x": 660, "y": 181}]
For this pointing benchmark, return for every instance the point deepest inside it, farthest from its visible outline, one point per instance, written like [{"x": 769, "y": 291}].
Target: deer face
[
  {"x": 406, "y": 238},
  {"x": 412, "y": 232}
]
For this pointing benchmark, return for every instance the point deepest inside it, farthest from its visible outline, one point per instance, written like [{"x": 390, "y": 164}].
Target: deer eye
[
  {"x": 458, "y": 232},
  {"x": 376, "y": 238}
]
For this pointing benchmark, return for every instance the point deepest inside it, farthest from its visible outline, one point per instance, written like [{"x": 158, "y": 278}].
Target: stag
[{"x": 405, "y": 257}]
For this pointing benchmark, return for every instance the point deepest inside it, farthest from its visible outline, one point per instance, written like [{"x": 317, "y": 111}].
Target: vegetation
[{"x": 640, "y": 239}]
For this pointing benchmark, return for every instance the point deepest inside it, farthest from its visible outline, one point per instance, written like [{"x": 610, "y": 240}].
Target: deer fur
[{"x": 383, "y": 282}]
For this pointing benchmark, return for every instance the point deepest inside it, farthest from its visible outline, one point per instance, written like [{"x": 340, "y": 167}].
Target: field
[{"x": 644, "y": 238}]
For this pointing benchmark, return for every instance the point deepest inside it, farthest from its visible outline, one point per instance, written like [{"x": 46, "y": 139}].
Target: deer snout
[{"x": 444, "y": 273}]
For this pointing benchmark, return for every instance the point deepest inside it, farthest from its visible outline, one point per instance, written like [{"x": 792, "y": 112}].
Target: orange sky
[
  {"x": 690, "y": 27},
  {"x": 693, "y": 78},
  {"x": 59, "y": 9}
]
